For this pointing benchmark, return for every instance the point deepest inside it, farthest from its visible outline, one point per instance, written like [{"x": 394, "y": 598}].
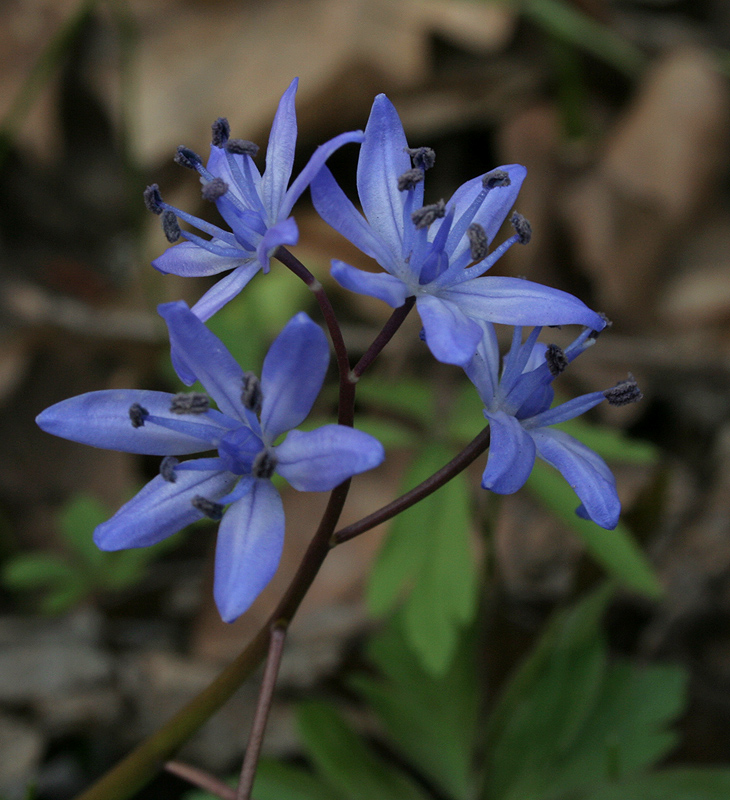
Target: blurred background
[{"x": 620, "y": 109}]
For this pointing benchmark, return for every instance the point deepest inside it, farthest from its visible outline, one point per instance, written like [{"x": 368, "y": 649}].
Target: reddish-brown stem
[
  {"x": 258, "y": 728},
  {"x": 201, "y": 779},
  {"x": 386, "y": 334},
  {"x": 457, "y": 464}
]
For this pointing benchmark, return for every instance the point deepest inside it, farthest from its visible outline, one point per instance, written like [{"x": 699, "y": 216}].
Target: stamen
[
  {"x": 241, "y": 147},
  {"x": 522, "y": 227},
  {"x": 556, "y": 359},
  {"x": 167, "y": 468},
  {"x": 264, "y": 465},
  {"x": 138, "y": 415},
  {"x": 211, "y": 509},
  {"x": 153, "y": 199},
  {"x": 409, "y": 179},
  {"x": 478, "y": 241},
  {"x": 423, "y": 157},
  {"x": 251, "y": 396},
  {"x": 424, "y": 216},
  {"x": 215, "y": 189},
  {"x": 186, "y": 157},
  {"x": 190, "y": 403},
  {"x": 497, "y": 177},
  {"x": 624, "y": 392},
  {"x": 595, "y": 334},
  {"x": 170, "y": 226},
  {"x": 221, "y": 132}
]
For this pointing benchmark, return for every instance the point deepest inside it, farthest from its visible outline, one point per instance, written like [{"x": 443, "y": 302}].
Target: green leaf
[
  {"x": 62, "y": 599},
  {"x": 345, "y": 761},
  {"x": 431, "y": 721},
  {"x": 412, "y": 398},
  {"x": 276, "y": 780},
  {"x": 616, "y": 551},
  {"x": 611, "y": 443},
  {"x": 466, "y": 417},
  {"x": 679, "y": 783},
  {"x": 429, "y": 550},
  {"x": 569, "y": 720},
  {"x": 77, "y": 521},
  {"x": 35, "y": 571}
]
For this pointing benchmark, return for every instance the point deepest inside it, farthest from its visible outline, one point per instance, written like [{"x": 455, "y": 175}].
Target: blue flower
[
  {"x": 517, "y": 405},
  {"x": 255, "y": 207},
  {"x": 438, "y": 252},
  {"x": 252, "y": 415}
]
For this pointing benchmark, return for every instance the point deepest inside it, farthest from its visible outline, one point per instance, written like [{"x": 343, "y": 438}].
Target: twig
[
  {"x": 201, "y": 779},
  {"x": 386, "y": 334}
]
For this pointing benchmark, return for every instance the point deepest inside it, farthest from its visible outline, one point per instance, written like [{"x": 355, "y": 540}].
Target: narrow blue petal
[
  {"x": 513, "y": 301},
  {"x": 511, "y": 454},
  {"x": 292, "y": 375},
  {"x": 565, "y": 411},
  {"x": 285, "y": 232},
  {"x": 586, "y": 472},
  {"x": 313, "y": 166},
  {"x": 101, "y": 419},
  {"x": 219, "y": 164},
  {"x": 191, "y": 261},
  {"x": 250, "y": 540},
  {"x": 450, "y": 335},
  {"x": 382, "y": 161},
  {"x": 483, "y": 369},
  {"x": 224, "y": 291},
  {"x": 203, "y": 355},
  {"x": 160, "y": 509},
  {"x": 280, "y": 153},
  {"x": 335, "y": 208},
  {"x": 319, "y": 460},
  {"x": 374, "y": 284}
]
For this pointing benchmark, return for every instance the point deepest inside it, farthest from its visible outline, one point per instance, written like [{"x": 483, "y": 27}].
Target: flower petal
[
  {"x": 292, "y": 375},
  {"x": 285, "y": 232},
  {"x": 224, "y": 290},
  {"x": 319, "y": 460},
  {"x": 513, "y": 301},
  {"x": 451, "y": 336},
  {"x": 382, "y": 161},
  {"x": 204, "y": 356},
  {"x": 191, "y": 261},
  {"x": 511, "y": 454},
  {"x": 101, "y": 419},
  {"x": 161, "y": 508},
  {"x": 373, "y": 284},
  {"x": 250, "y": 540},
  {"x": 313, "y": 166},
  {"x": 335, "y": 208},
  {"x": 586, "y": 472},
  {"x": 280, "y": 153},
  {"x": 483, "y": 369}
]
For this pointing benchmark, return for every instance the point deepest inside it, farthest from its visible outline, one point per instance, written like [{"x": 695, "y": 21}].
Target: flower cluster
[{"x": 436, "y": 253}]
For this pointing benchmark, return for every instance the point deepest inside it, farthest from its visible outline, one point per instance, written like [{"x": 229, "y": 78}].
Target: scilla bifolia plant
[{"x": 434, "y": 257}]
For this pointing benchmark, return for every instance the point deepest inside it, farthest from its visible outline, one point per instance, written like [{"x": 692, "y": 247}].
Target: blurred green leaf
[
  {"x": 679, "y": 783},
  {"x": 466, "y": 417},
  {"x": 345, "y": 761},
  {"x": 430, "y": 721},
  {"x": 276, "y": 780},
  {"x": 429, "y": 551},
  {"x": 34, "y": 571},
  {"x": 611, "y": 443},
  {"x": 616, "y": 551},
  {"x": 77, "y": 521},
  {"x": 408, "y": 396},
  {"x": 569, "y": 720},
  {"x": 63, "y": 598}
]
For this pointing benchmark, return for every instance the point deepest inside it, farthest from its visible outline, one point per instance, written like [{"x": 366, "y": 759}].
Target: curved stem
[
  {"x": 457, "y": 464},
  {"x": 386, "y": 334},
  {"x": 203, "y": 780}
]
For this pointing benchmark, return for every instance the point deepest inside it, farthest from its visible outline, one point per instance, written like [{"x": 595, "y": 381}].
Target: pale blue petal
[
  {"x": 483, "y": 369},
  {"x": 160, "y": 509},
  {"x": 203, "y": 355},
  {"x": 101, "y": 419},
  {"x": 224, "y": 290},
  {"x": 292, "y": 375},
  {"x": 191, "y": 261},
  {"x": 335, "y": 208},
  {"x": 285, "y": 232},
  {"x": 513, "y": 301},
  {"x": 250, "y": 540},
  {"x": 451, "y": 336},
  {"x": 280, "y": 153},
  {"x": 511, "y": 454},
  {"x": 319, "y": 460},
  {"x": 586, "y": 472},
  {"x": 218, "y": 165},
  {"x": 382, "y": 161},
  {"x": 313, "y": 166},
  {"x": 373, "y": 284},
  {"x": 565, "y": 411}
]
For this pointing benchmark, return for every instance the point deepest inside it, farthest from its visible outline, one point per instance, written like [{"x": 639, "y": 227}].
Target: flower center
[{"x": 239, "y": 449}]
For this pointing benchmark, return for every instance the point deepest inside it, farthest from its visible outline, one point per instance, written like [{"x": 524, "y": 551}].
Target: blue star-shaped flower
[
  {"x": 245, "y": 431},
  {"x": 517, "y": 405},
  {"x": 256, "y": 207},
  {"x": 438, "y": 252}
]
